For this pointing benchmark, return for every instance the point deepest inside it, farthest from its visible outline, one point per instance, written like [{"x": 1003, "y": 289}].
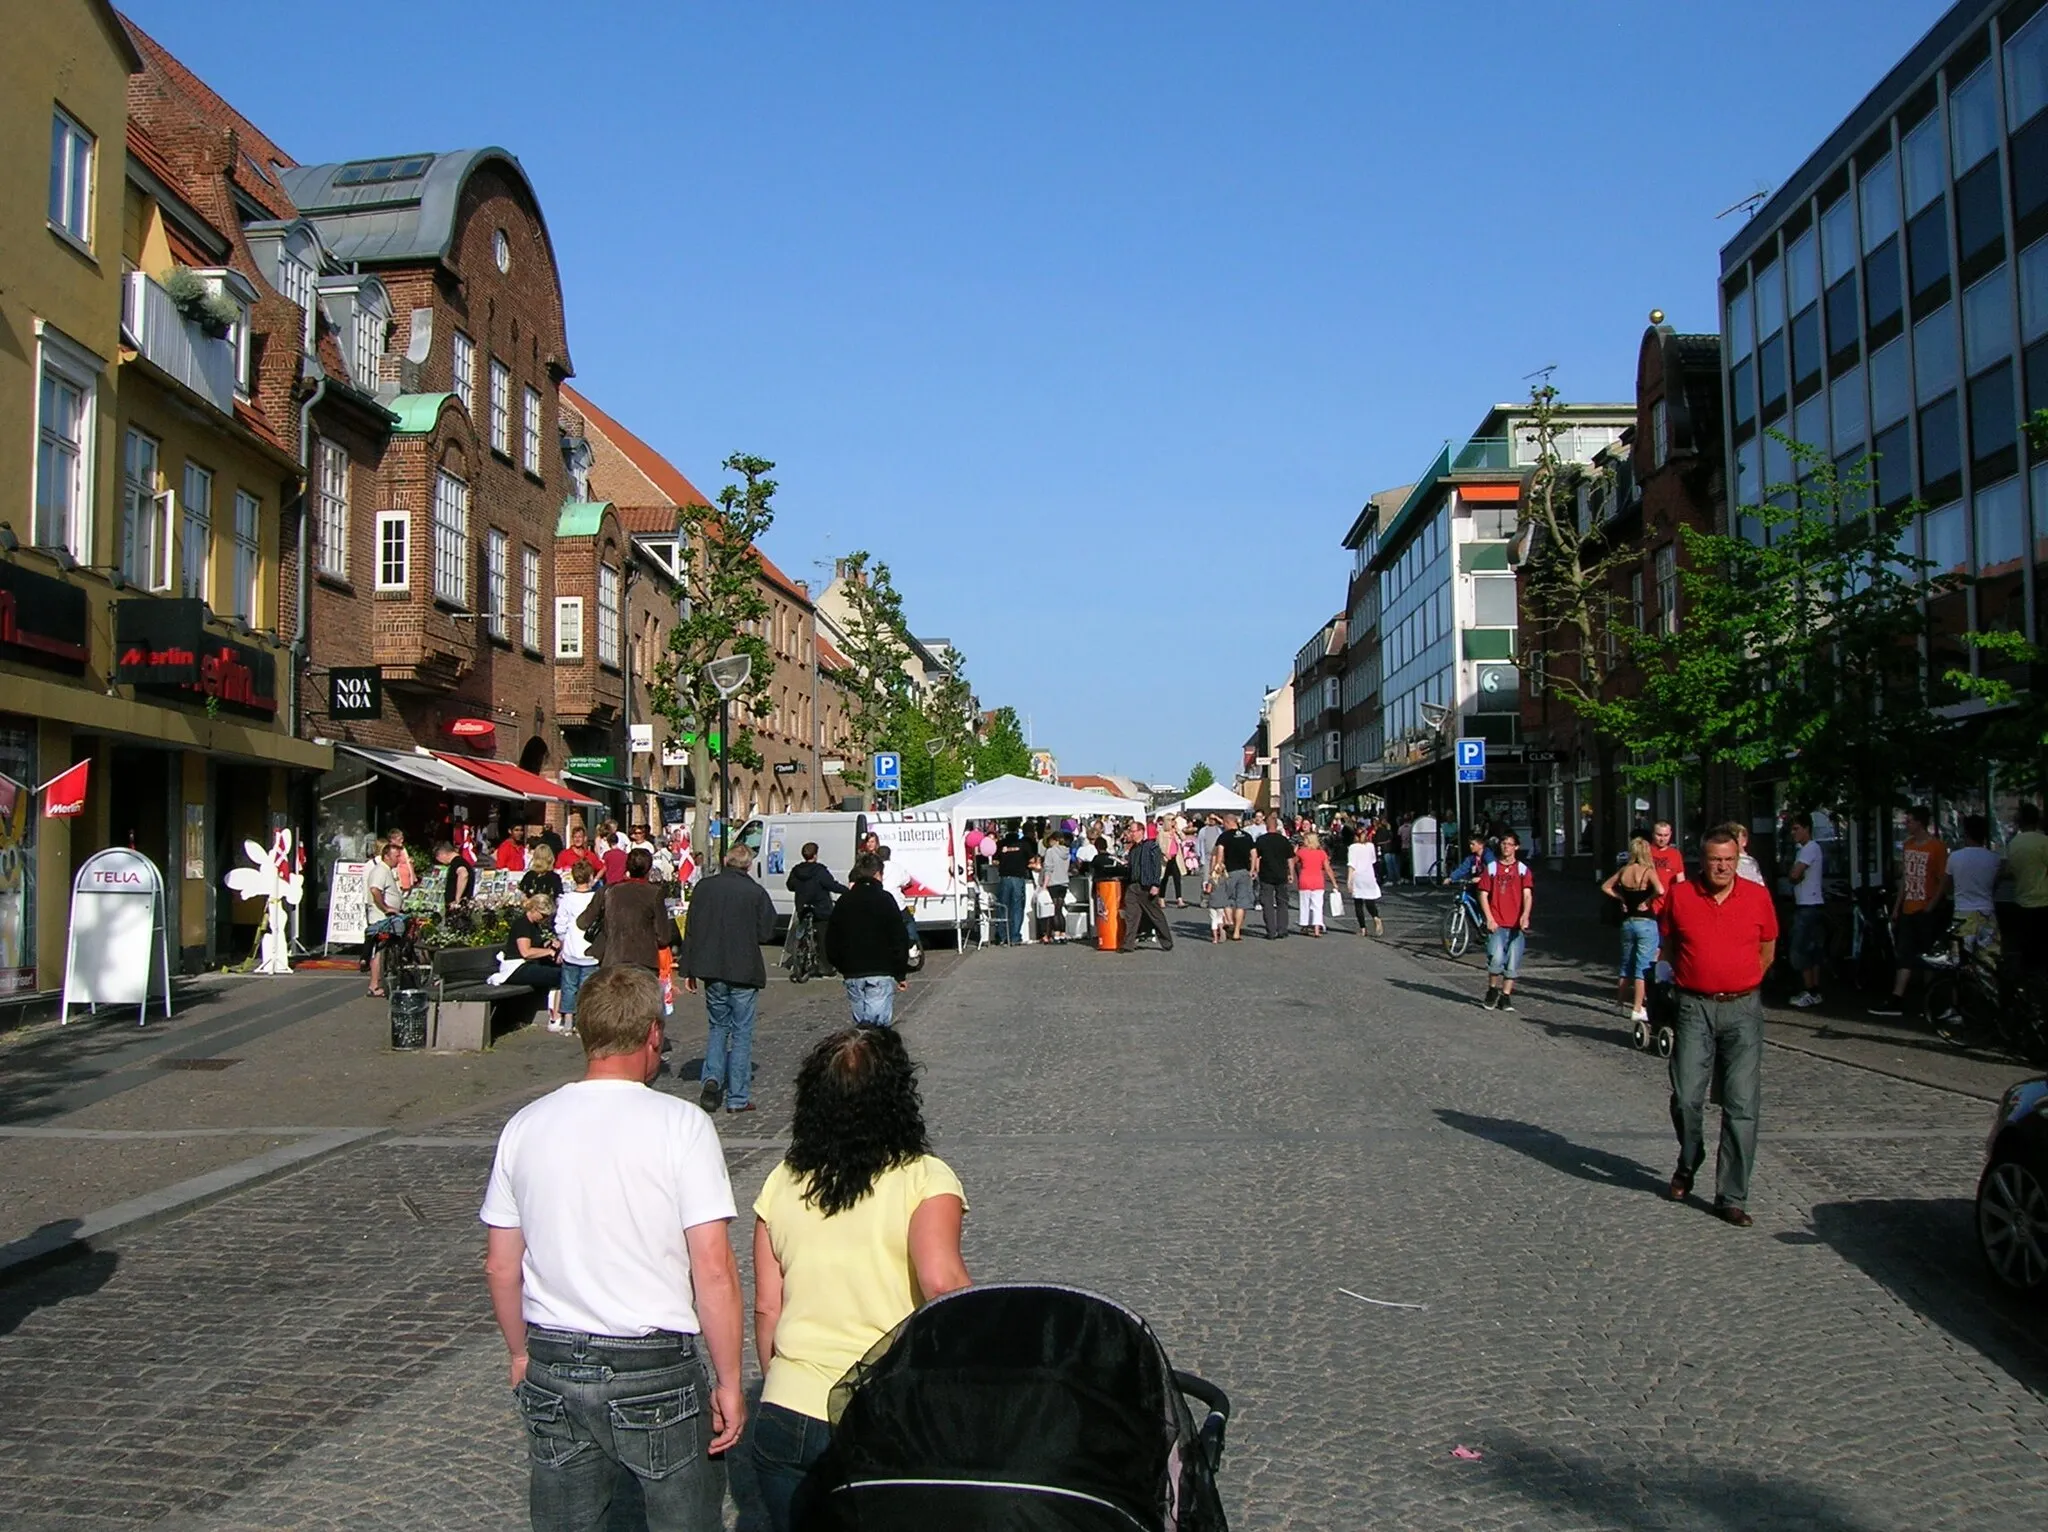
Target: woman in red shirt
[{"x": 1313, "y": 876}]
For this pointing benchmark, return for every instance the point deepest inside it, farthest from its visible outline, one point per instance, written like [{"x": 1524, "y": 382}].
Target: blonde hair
[
  {"x": 1639, "y": 853},
  {"x": 541, "y": 858},
  {"x": 616, "y": 1009},
  {"x": 539, "y": 906}
]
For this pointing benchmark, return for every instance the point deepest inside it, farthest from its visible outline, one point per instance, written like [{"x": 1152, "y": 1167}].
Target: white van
[{"x": 922, "y": 870}]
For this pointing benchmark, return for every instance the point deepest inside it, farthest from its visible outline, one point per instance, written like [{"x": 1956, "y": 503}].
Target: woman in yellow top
[{"x": 857, "y": 1226}]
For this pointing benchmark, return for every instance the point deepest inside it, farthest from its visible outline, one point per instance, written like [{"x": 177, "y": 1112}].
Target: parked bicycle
[
  {"x": 1973, "y": 999},
  {"x": 407, "y": 962},
  {"x": 803, "y": 954},
  {"x": 1463, "y": 919}
]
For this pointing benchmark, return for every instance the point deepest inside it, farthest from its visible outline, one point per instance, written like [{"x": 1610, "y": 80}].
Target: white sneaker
[
  {"x": 1805, "y": 1000},
  {"x": 1639, "y": 1014}
]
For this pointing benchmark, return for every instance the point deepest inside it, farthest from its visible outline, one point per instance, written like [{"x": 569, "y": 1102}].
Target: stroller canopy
[{"x": 1016, "y": 1407}]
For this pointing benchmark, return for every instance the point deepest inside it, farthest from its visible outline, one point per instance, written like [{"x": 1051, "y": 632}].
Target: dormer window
[
  {"x": 235, "y": 291},
  {"x": 360, "y": 311},
  {"x": 369, "y": 346}
]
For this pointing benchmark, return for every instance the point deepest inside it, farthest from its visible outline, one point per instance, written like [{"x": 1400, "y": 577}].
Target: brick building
[
  {"x": 1315, "y": 749},
  {"x": 1665, "y": 474},
  {"x": 623, "y": 469}
]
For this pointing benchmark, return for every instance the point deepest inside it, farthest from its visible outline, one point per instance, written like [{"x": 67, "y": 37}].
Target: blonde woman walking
[{"x": 1638, "y": 887}]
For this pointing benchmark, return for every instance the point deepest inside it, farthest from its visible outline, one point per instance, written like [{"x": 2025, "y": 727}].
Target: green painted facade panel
[{"x": 1489, "y": 643}]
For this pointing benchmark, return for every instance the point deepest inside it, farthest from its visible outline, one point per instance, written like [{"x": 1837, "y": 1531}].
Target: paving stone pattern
[{"x": 1221, "y": 1138}]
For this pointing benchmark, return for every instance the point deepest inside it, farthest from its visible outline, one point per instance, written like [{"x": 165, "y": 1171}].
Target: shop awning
[
  {"x": 518, "y": 782},
  {"x": 428, "y": 771}
]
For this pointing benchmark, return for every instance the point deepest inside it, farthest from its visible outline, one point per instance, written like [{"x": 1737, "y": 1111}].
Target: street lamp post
[{"x": 728, "y": 675}]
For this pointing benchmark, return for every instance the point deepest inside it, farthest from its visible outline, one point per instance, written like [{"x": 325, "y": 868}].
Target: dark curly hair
[{"x": 857, "y": 1115}]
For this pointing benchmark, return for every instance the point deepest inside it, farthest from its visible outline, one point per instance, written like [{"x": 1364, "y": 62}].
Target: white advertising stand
[{"x": 119, "y": 952}]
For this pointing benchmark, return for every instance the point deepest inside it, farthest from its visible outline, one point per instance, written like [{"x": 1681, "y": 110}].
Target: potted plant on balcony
[{"x": 214, "y": 312}]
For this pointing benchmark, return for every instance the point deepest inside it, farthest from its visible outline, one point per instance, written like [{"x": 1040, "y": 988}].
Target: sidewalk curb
[{"x": 70, "y": 1238}]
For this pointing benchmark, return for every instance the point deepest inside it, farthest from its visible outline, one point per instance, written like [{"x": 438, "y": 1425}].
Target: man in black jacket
[
  {"x": 730, "y": 918},
  {"x": 813, "y": 884},
  {"x": 866, "y": 942},
  {"x": 1148, "y": 872}
]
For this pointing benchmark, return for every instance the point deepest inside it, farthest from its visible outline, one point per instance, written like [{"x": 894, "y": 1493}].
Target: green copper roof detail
[
  {"x": 417, "y": 412},
  {"x": 581, "y": 518}
]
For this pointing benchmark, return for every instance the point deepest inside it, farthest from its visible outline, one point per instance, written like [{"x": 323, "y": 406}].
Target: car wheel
[{"x": 2012, "y": 1225}]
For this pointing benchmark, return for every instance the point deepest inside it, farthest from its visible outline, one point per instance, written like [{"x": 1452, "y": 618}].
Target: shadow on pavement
[
  {"x": 1924, "y": 1253},
  {"x": 1632, "y": 1493},
  {"x": 73, "y": 1278},
  {"x": 1557, "y": 1151}
]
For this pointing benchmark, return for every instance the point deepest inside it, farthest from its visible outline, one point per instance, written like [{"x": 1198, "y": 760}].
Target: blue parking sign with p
[
  {"x": 1304, "y": 786},
  {"x": 1471, "y": 752},
  {"x": 888, "y": 771}
]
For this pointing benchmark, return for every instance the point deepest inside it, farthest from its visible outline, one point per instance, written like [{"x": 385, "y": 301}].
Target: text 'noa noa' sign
[{"x": 355, "y": 692}]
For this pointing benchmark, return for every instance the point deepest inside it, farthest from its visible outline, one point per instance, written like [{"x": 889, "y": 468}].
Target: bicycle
[
  {"x": 1462, "y": 919},
  {"x": 802, "y": 954},
  {"x": 407, "y": 963},
  {"x": 1973, "y": 998}
]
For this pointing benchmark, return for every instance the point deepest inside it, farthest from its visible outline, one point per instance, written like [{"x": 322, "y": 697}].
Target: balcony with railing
[{"x": 181, "y": 347}]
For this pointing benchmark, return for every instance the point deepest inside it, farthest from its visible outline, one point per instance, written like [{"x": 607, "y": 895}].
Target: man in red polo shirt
[
  {"x": 511, "y": 854},
  {"x": 1669, "y": 861},
  {"x": 1506, "y": 900},
  {"x": 1721, "y": 934}
]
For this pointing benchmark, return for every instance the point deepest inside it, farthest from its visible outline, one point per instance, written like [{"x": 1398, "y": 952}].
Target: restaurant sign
[
  {"x": 163, "y": 646},
  {"x": 42, "y": 621}
]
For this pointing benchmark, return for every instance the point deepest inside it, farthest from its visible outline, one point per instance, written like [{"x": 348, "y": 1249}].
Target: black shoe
[
  {"x": 1492, "y": 999},
  {"x": 711, "y": 1096},
  {"x": 1888, "y": 1008},
  {"x": 1507, "y": 1003}
]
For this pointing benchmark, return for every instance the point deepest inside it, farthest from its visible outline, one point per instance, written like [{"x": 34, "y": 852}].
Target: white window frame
[
  {"x": 78, "y": 371},
  {"x": 462, "y": 371},
  {"x": 529, "y": 598},
  {"x": 530, "y": 430},
  {"x": 248, "y": 556},
  {"x": 610, "y": 605},
  {"x": 195, "y": 532},
  {"x": 498, "y": 582},
  {"x": 394, "y": 550},
  {"x": 1664, "y": 567},
  {"x": 367, "y": 345},
  {"x": 1660, "y": 433},
  {"x": 145, "y": 515},
  {"x": 451, "y": 538},
  {"x": 330, "y": 508},
  {"x": 568, "y": 627},
  {"x": 501, "y": 408},
  {"x": 74, "y": 154}
]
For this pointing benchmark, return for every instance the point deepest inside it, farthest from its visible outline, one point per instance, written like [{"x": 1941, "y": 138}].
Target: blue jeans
[
  {"x": 594, "y": 1404},
  {"x": 873, "y": 1001},
  {"x": 784, "y": 1446},
  {"x": 729, "y": 1052},
  {"x": 1504, "y": 946},
  {"x": 1010, "y": 892},
  {"x": 1728, "y": 1035},
  {"x": 573, "y": 975},
  {"x": 1639, "y": 943}
]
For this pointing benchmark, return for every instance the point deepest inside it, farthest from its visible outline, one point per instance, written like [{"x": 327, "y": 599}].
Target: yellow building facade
[{"x": 141, "y": 504}]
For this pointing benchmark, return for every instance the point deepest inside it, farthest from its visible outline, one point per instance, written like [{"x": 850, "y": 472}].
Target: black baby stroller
[{"x": 1019, "y": 1408}]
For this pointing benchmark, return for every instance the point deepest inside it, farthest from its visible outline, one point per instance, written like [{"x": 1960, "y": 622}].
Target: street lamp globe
[{"x": 729, "y": 673}]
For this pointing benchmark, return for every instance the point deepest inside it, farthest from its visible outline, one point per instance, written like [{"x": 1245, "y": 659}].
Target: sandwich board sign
[
  {"x": 119, "y": 951},
  {"x": 347, "y": 900}
]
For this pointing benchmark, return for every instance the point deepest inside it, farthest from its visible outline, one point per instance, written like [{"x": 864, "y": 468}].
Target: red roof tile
[
  {"x": 257, "y": 421},
  {"x": 647, "y": 520},
  {"x": 199, "y": 97},
  {"x": 830, "y": 658},
  {"x": 667, "y": 478}
]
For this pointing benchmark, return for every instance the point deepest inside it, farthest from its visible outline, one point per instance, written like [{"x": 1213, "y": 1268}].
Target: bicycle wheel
[
  {"x": 1942, "y": 1003},
  {"x": 1457, "y": 930}
]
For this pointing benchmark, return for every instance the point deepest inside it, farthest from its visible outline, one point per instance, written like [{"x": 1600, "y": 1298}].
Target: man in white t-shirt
[
  {"x": 383, "y": 907},
  {"x": 1973, "y": 871},
  {"x": 1809, "y": 918},
  {"x": 611, "y": 1275}
]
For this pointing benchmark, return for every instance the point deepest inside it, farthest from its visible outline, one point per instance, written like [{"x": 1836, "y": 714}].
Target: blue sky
[{"x": 1097, "y": 322}]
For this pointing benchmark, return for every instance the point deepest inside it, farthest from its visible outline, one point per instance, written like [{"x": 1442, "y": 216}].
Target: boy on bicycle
[{"x": 813, "y": 884}]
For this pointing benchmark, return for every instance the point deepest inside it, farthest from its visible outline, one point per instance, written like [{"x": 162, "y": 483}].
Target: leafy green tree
[
  {"x": 877, "y": 647},
  {"x": 1001, "y": 750},
  {"x": 947, "y": 718},
  {"x": 1199, "y": 777},
  {"x": 1800, "y": 647},
  {"x": 724, "y": 613}
]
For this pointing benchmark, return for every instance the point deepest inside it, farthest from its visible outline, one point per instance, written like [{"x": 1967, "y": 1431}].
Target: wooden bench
[{"x": 467, "y": 1012}]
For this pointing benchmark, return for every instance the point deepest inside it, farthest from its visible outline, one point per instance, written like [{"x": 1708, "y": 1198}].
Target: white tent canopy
[
  {"x": 1213, "y": 799},
  {"x": 1028, "y": 798}
]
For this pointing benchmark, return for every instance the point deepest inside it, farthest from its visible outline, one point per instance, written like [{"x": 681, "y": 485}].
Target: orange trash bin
[{"x": 1109, "y": 929}]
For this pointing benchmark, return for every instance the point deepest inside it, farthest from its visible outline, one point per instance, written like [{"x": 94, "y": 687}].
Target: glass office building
[{"x": 1890, "y": 302}]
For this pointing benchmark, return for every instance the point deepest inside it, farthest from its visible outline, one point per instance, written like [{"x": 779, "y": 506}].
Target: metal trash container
[{"x": 408, "y": 1018}]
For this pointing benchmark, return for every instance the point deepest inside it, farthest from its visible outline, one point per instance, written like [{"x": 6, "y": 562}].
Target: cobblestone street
[{"x": 1223, "y": 1138}]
